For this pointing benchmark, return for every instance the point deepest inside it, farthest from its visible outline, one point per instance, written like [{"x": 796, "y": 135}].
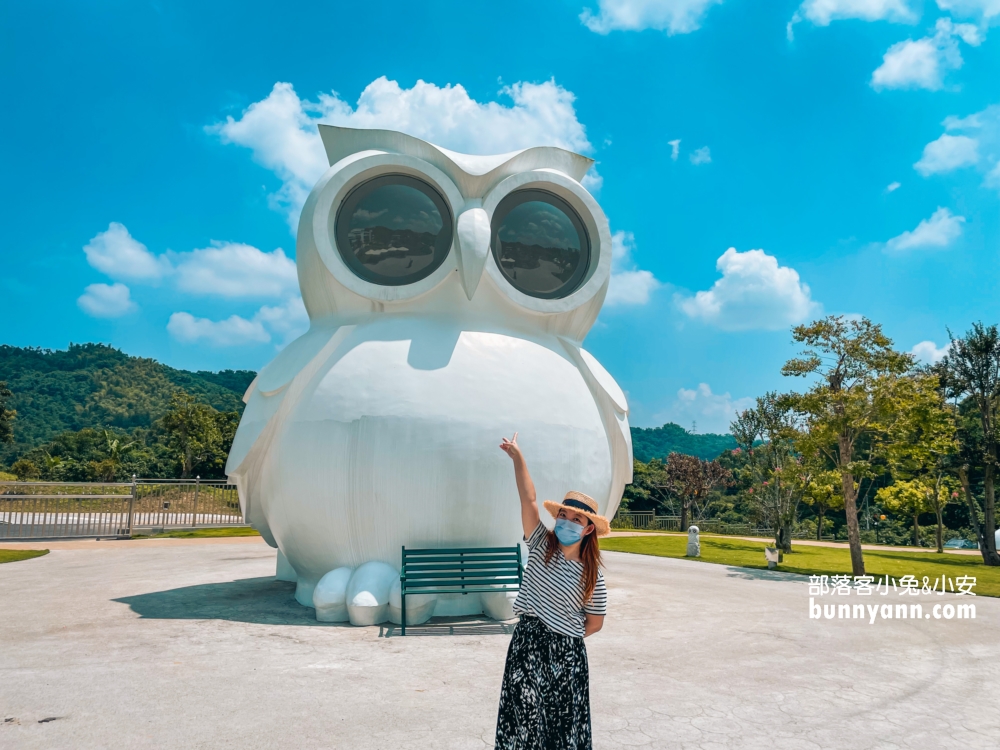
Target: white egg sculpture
[{"x": 448, "y": 296}]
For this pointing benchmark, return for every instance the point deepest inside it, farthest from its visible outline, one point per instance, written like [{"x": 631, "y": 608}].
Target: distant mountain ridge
[
  {"x": 660, "y": 442},
  {"x": 94, "y": 385}
]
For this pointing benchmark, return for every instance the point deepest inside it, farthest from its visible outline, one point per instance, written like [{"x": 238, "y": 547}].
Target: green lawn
[
  {"x": 808, "y": 560},
  {"x": 200, "y": 533},
  {"x": 13, "y": 555}
]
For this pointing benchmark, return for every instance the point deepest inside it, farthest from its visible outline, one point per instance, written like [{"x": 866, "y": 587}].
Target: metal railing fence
[
  {"x": 649, "y": 521},
  {"x": 175, "y": 503},
  {"x": 46, "y": 510}
]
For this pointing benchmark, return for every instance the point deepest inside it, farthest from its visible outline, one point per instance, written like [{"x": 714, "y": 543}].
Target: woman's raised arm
[{"x": 525, "y": 487}]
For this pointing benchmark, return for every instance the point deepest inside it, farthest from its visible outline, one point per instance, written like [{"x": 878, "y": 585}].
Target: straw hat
[{"x": 583, "y": 504}]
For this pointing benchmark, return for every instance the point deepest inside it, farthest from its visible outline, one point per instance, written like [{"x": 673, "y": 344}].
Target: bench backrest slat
[
  {"x": 482, "y": 568},
  {"x": 457, "y": 551}
]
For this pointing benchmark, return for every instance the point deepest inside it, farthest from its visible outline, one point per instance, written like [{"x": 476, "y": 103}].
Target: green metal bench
[{"x": 458, "y": 571}]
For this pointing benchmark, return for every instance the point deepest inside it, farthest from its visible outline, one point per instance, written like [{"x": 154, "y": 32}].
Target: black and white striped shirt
[{"x": 553, "y": 593}]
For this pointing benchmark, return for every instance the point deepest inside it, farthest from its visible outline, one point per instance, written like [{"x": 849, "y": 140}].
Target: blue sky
[{"x": 847, "y": 150}]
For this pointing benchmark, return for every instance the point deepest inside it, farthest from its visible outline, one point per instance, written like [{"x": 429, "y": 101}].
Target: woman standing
[{"x": 545, "y": 699}]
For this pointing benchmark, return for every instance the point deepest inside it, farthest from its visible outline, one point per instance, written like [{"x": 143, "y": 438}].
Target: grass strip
[
  {"x": 807, "y": 560},
  {"x": 200, "y": 533},
  {"x": 13, "y": 555}
]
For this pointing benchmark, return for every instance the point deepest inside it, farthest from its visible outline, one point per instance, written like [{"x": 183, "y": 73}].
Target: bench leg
[{"x": 402, "y": 599}]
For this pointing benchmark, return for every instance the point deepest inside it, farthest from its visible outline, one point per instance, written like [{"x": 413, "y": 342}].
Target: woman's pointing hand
[{"x": 510, "y": 447}]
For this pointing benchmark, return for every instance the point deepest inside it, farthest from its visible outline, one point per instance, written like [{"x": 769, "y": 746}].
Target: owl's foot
[
  {"x": 419, "y": 607},
  {"x": 370, "y": 595},
  {"x": 330, "y": 596}
]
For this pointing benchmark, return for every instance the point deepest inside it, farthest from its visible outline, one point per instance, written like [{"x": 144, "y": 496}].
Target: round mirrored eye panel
[
  {"x": 394, "y": 230},
  {"x": 540, "y": 244}
]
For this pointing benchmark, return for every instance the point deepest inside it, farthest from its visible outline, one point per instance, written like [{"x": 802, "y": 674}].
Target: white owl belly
[{"x": 395, "y": 442}]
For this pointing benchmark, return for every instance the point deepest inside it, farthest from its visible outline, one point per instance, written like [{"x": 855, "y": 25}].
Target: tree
[
  {"x": 939, "y": 495},
  {"x": 25, "y": 470},
  {"x": 852, "y": 400},
  {"x": 909, "y": 497},
  {"x": 691, "y": 479},
  {"x": 772, "y": 469},
  {"x": 6, "y": 415},
  {"x": 973, "y": 372},
  {"x": 922, "y": 445},
  {"x": 199, "y": 436},
  {"x": 823, "y": 493},
  {"x": 109, "y": 468},
  {"x": 649, "y": 489}
]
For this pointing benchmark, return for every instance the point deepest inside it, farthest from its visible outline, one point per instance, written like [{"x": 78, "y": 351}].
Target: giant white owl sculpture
[{"x": 448, "y": 296}]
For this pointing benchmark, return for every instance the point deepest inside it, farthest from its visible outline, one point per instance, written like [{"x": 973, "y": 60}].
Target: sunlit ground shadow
[
  {"x": 439, "y": 626},
  {"x": 256, "y": 600},
  {"x": 269, "y": 602},
  {"x": 755, "y": 574}
]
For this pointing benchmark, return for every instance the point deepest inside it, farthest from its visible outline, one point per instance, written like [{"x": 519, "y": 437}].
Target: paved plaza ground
[{"x": 193, "y": 644}]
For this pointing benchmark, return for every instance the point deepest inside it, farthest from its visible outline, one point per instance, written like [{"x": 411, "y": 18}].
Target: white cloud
[
  {"x": 701, "y": 156},
  {"x": 923, "y": 63},
  {"x": 593, "y": 181},
  {"x": 983, "y": 9},
  {"x": 225, "y": 269},
  {"x": 929, "y": 353},
  {"x": 977, "y": 144},
  {"x": 940, "y": 230},
  {"x": 106, "y": 301},
  {"x": 283, "y": 323},
  {"x": 711, "y": 412},
  {"x": 287, "y": 321},
  {"x": 753, "y": 293},
  {"x": 947, "y": 153},
  {"x": 675, "y": 148},
  {"x": 234, "y": 331},
  {"x": 992, "y": 179},
  {"x": 231, "y": 269},
  {"x": 629, "y": 285},
  {"x": 672, "y": 16},
  {"x": 822, "y": 12},
  {"x": 281, "y": 129},
  {"x": 116, "y": 253},
  {"x": 892, "y": 187}
]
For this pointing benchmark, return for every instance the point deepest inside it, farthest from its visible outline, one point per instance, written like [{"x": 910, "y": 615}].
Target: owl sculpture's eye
[
  {"x": 394, "y": 230},
  {"x": 540, "y": 244}
]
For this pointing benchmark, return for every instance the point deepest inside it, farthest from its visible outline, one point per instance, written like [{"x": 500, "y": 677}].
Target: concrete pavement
[{"x": 194, "y": 645}]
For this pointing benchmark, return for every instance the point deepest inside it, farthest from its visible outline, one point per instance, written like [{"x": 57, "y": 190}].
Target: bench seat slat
[
  {"x": 475, "y": 590},
  {"x": 457, "y": 585},
  {"x": 455, "y": 588}
]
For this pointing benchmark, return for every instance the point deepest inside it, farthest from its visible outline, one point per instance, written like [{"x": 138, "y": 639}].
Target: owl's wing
[
  {"x": 613, "y": 407},
  {"x": 267, "y": 391},
  {"x": 270, "y": 399}
]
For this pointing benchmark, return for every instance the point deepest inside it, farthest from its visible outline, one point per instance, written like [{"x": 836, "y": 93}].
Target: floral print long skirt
[{"x": 545, "y": 699}]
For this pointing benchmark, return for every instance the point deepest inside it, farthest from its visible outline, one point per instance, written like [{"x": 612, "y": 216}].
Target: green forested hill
[
  {"x": 660, "y": 442},
  {"x": 93, "y": 385}
]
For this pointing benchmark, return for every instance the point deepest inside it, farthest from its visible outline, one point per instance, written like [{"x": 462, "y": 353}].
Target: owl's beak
[{"x": 473, "y": 239}]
